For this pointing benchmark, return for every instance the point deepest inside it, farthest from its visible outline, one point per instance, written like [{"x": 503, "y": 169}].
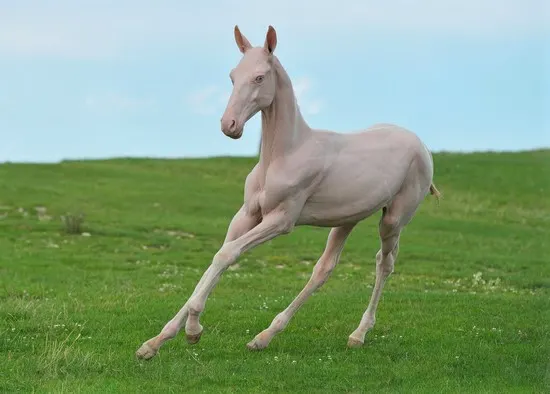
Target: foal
[{"x": 307, "y": 177}]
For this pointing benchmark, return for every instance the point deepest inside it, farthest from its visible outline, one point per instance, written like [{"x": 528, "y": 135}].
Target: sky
[{"x": 99, "y": 79}]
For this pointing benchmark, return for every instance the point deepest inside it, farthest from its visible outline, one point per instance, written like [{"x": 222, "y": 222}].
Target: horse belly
[{"x": 352, "y": 193}]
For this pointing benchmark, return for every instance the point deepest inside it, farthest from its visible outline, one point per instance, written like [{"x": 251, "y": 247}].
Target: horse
[{"x": 307, "y": 177}]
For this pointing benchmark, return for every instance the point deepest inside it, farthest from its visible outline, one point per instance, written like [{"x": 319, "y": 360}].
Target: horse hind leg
[{"x": 394, "y": 218}]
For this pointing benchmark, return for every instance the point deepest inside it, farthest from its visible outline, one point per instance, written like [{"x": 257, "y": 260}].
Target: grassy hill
[{"x": 467, "y": 309}]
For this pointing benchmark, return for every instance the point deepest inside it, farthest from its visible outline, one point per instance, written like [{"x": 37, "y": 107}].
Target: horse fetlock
[{"x": 195, "y": 307}]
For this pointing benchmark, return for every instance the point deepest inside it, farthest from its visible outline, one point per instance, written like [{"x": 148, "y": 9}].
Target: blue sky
[{"x": 94, "y": 79}]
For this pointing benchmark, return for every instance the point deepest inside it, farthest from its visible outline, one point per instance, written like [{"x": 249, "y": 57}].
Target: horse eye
[{"x": 259, "y": 78}]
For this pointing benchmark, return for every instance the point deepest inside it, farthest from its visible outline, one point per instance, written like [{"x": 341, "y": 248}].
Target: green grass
[{"x": 467, "y": 309}]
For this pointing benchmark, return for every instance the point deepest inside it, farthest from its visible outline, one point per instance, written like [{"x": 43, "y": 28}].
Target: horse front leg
[
  {"x": 272, "y": 225},
  {"x": 241, "y": 223}
]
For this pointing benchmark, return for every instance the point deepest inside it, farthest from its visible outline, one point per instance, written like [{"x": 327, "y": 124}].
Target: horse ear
[
  {"x": 270, "y": 40},
  {"x": 242, "y": 42}
]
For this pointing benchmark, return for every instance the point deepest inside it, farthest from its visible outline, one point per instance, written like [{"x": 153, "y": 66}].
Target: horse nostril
[{"x": 233, "y": 125}]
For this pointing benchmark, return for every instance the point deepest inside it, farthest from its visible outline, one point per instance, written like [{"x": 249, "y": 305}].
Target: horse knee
[{"x": 225, "y": 256}]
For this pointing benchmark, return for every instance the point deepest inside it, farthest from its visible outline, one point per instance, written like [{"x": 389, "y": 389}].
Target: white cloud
[
  {"x": 116, "y": 102},
  {"x": 314, "y": 107},
  {"x": 103, "y": 28},
  {"x": 303, "y": 86},
  {"x": 207, "y": 101}
]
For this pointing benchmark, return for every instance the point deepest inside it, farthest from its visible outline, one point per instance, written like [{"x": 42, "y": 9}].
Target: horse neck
[{"x": 283, "y": 127}]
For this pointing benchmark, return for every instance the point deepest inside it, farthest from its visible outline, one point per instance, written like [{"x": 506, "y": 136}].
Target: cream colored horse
[{"x": 307, "y": 177}]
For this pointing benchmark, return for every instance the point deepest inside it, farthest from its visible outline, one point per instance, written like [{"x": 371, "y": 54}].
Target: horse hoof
[
  {"x": 192, "y": 339},
  {"x": 354, "y": 343},
  {"x": 255, "y": 345}
]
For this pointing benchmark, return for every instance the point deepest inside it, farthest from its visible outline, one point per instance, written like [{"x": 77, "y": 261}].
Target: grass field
[{"x": 466, "y": 310}]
